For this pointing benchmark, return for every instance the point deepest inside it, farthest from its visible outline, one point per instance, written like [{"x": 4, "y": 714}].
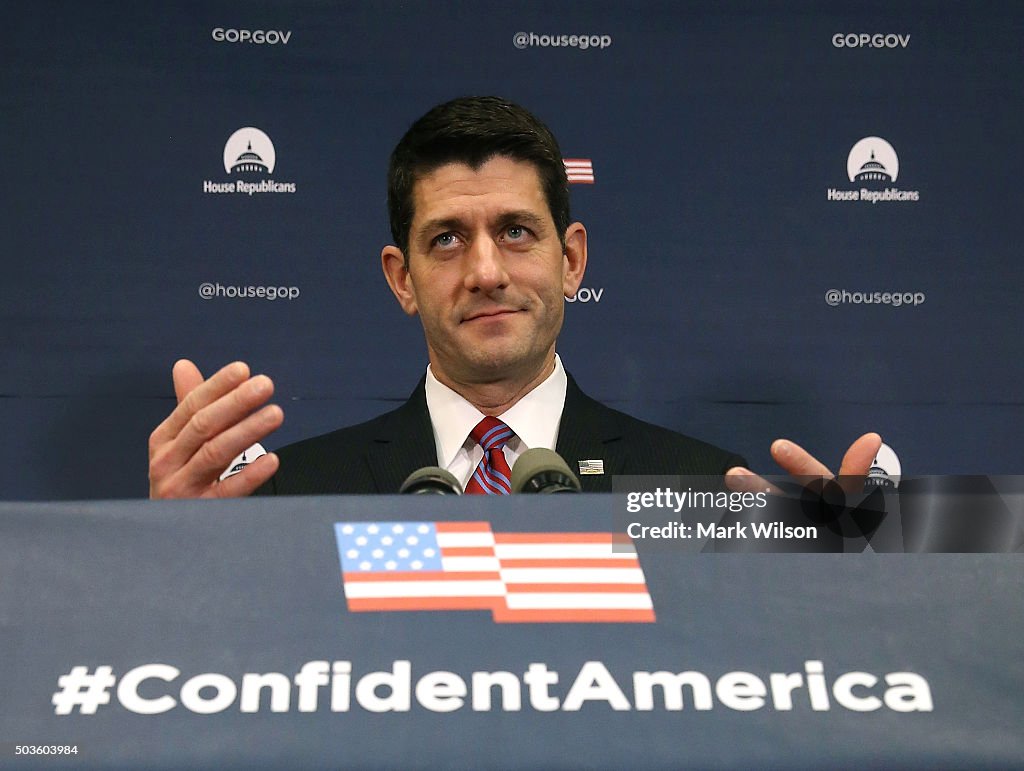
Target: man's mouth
[{"x": 490, "y": 313}]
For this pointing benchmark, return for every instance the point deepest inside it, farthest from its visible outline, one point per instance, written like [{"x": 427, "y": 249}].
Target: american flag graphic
[
  {"x": 579, "y": 170},
  {"x": 519, "y": 577}
]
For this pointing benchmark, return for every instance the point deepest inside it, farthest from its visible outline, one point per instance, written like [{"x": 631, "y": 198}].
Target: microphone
[
  {"x": 431, "y": 480},
  {"x": 541, "y": 470}
]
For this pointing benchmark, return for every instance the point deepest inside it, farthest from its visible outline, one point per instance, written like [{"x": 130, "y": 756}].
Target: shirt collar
[{"x": 534, "y": 418}]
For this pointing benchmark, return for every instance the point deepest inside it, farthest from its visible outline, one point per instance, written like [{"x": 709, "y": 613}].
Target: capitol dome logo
[
  {"x": 885, "y": 469},
  {"x": 249, "y": 150},
  {"x": 249, "y": 160},
  {"x": 873, "y": 167},
  {"x": 872, "y": 159},
  {"x": 243, "y": 460}
]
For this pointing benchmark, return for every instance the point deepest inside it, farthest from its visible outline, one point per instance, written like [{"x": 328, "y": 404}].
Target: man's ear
[
  {"x": 393, "y": 262},
  {"x": 575, "y": 258}
]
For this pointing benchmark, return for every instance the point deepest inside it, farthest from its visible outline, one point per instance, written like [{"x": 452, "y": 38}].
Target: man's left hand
[{"x": 797, "y": 462}]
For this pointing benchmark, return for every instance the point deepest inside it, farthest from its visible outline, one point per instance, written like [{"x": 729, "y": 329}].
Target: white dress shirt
[{"x": 534, "y": 419}]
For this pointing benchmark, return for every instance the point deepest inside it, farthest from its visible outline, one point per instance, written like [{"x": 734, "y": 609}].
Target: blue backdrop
[{"x": 722, "y": 138}]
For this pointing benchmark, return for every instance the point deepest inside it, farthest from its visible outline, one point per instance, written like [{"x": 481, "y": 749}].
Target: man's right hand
[{"x": 213, "y": 423}]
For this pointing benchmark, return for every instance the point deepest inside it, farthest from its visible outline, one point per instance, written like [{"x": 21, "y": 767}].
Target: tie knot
[{"x": 491, "y": 434}]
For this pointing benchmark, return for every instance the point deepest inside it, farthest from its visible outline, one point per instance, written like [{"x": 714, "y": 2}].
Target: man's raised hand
[
  {"x": 797, "y": 462},
  {"x": 215, "y": 421}
]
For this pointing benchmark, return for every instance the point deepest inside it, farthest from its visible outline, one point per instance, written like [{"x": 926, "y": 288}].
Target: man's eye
[
  {"x": 445, "y": 240},
  {"x": 516, "y": 232}
]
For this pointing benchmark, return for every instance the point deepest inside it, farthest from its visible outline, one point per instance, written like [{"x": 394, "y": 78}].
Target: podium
[{"x": 262, "y": 633}]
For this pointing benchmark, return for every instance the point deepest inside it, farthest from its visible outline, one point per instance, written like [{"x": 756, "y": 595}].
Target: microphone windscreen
[
  {"x": 431, "y": 479},
  {"x": 541, "y": 470}
]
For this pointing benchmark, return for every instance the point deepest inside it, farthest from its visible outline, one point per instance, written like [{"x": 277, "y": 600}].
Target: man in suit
[
  {"x": 485, "y": 254},
  {"x": 375, "y": 457}
]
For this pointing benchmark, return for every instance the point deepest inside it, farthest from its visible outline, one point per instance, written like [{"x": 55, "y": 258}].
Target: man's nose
[{"x": 485, "y": 270}]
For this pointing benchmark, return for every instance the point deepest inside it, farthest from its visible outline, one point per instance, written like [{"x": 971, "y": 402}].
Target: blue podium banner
[{"x": 428, "y": 632}]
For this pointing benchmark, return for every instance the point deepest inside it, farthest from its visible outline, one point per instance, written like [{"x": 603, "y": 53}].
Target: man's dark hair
[{"x": 472, "y": 130}]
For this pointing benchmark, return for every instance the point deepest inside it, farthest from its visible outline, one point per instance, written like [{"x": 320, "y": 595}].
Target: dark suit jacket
[{"x": 377, "y": 456}]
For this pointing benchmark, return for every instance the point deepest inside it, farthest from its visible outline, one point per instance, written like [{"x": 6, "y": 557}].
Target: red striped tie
[{"x": 492, "y": 476}]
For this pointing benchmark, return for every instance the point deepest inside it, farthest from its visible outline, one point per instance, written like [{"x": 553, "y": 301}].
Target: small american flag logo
[
  {"x": 591, "y": 467},
  {"x": 519, "y": 577},
  {"x": 579, "y": 170}
]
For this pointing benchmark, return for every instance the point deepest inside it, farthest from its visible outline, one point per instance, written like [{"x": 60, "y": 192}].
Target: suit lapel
[
  {"x": 403, "y": 444},
  {"x": 584, "y": 434}
]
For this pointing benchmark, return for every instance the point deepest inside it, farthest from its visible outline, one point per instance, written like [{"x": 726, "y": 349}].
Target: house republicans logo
[
  {"x": 872, "y": 168},
  {"x": 885, "y": 470},
  {"x": 872, "y": 159},
  {"x": 240, "y": 462},
  {"x": 249, "y": 162},
  {"x": 240, "y": 155}
]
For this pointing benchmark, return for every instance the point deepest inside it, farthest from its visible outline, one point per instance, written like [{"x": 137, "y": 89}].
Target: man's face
[{"x": 487, "y": 272}]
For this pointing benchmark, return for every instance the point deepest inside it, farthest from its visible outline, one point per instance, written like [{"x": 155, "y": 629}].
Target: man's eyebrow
[
  {"x": 441, "y": 223},
  {"x": 523, "y": 216}
]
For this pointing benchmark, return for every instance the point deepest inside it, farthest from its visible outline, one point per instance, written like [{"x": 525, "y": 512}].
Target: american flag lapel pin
[{"x": 591, "y": 467}]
